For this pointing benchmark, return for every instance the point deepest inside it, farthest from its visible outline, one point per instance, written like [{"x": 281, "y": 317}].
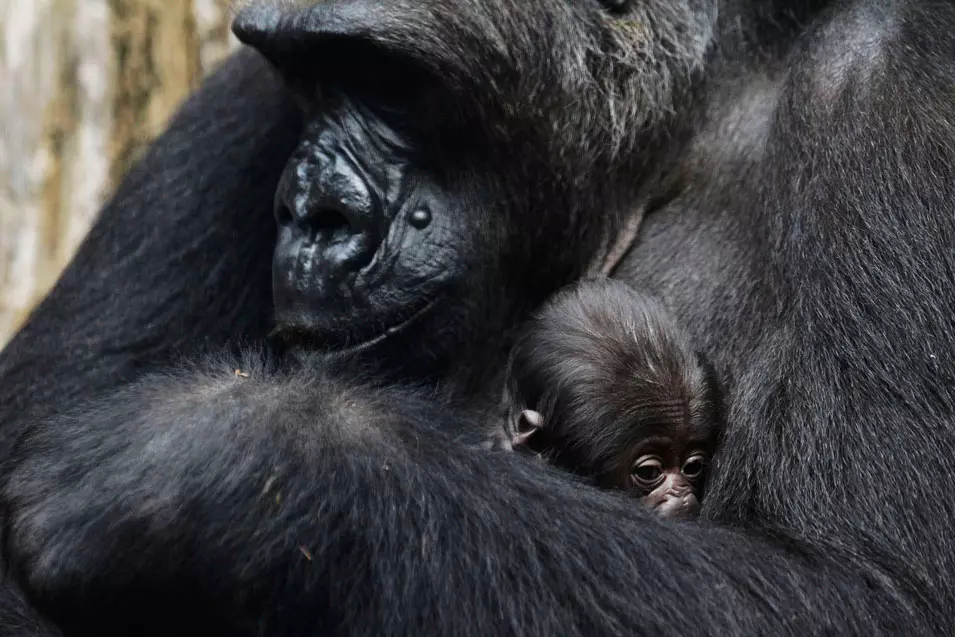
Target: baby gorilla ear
[
  {"x": 527, "y": 423},
  {"x": 517, "y": 431}
]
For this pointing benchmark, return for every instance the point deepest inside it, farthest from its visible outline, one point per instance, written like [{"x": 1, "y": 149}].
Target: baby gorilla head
[{"x": 604, "y": 383}]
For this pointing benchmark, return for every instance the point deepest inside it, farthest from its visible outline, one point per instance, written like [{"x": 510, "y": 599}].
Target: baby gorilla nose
[
  {"x": 678, "y": 506},
  {"x": 674, "y": 497}
]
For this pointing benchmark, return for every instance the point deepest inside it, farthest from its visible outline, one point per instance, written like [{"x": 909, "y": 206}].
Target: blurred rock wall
[{"x": 84, "y": 86}]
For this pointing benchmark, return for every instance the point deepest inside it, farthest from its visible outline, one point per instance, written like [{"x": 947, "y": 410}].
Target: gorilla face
[
  {"x": 386, "y": 222},
  {"x": 369, "y": 245},
  {"x": 441, "y": 191}
]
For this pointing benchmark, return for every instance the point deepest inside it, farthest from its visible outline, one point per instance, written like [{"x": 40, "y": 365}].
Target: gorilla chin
[{"x": 301, "y": 335}]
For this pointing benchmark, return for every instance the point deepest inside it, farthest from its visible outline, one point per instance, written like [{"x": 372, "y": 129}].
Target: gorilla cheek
[{"x": 425, "y": 259}]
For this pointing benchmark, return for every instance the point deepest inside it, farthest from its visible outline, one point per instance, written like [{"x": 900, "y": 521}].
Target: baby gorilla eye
[
  {"x": 694, "y": 466},
  {"x": 647, "y": 470}
]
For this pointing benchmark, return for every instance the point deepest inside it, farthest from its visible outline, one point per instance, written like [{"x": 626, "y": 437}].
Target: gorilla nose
[
  {"x": 346, "y": 239},
  {"x": 331, "y": 215}
]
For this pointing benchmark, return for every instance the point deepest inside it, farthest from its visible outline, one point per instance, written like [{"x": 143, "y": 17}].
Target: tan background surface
[{"x": 84, "y": 86}]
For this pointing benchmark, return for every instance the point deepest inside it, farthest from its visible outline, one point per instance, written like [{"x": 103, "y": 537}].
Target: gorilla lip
[{"x": 301, "y": 337}]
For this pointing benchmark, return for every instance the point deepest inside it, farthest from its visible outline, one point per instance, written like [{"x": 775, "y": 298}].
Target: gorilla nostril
[
  {"x": 283, "y": 215},
  {"x": 329, "y": 220},
  {"x": 333, "y": 226}
]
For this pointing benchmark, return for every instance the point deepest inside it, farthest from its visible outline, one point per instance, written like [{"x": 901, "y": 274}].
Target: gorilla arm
[
  {"x": 179, "y": 260},
  {"x": 18, "y": 618},
  {"x": 296, "y": 505},
  {"x": 176, "y": 262}
]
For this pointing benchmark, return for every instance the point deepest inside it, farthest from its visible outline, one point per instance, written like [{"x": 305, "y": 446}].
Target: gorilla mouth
[{"x": 337, "y": 347}]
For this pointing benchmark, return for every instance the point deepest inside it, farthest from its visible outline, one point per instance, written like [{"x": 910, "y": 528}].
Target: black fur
[
  {"x": 796, "y": 164},
  {"x": 390, "y": 529},
  {"x": 131, "y": 298},
  {"x": 18, "y": 618}
]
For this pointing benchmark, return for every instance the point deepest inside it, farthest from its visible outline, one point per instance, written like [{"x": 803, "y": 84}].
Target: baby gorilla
[{"x": 604, "y": 383}]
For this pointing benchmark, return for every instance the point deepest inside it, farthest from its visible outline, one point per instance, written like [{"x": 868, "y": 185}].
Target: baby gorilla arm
[{"x": 300, "y": 505}]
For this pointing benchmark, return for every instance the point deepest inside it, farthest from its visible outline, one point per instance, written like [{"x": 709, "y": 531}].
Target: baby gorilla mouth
[{"x": 338, "y": 345}]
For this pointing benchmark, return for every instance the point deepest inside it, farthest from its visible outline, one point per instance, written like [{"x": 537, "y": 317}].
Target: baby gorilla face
[
  {"x": 605, "y": 384},
  {"x": 668, "y": 476},
  {"x": 666, "y": 470}
]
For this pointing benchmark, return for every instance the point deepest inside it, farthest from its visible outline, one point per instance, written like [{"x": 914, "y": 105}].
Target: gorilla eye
[
  {"x": 615, "y": 6},
  {"x": 694, "y": 466},
  {"x": 420, "y": 218},
  {"x": 647, "y": 470}
]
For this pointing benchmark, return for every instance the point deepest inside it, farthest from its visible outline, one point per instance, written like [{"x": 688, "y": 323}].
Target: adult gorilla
[{"x": 796, "y": 161}]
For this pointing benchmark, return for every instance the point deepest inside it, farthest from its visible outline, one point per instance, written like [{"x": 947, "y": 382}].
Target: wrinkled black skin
[
  {"x": 608, "y": 367},
  {"x": 350, "y": 261},
  {"x": 805, "y": 242}
]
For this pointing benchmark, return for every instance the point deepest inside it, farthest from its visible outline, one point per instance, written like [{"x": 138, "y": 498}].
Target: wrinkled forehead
[{"x": 661, "y": 412}]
